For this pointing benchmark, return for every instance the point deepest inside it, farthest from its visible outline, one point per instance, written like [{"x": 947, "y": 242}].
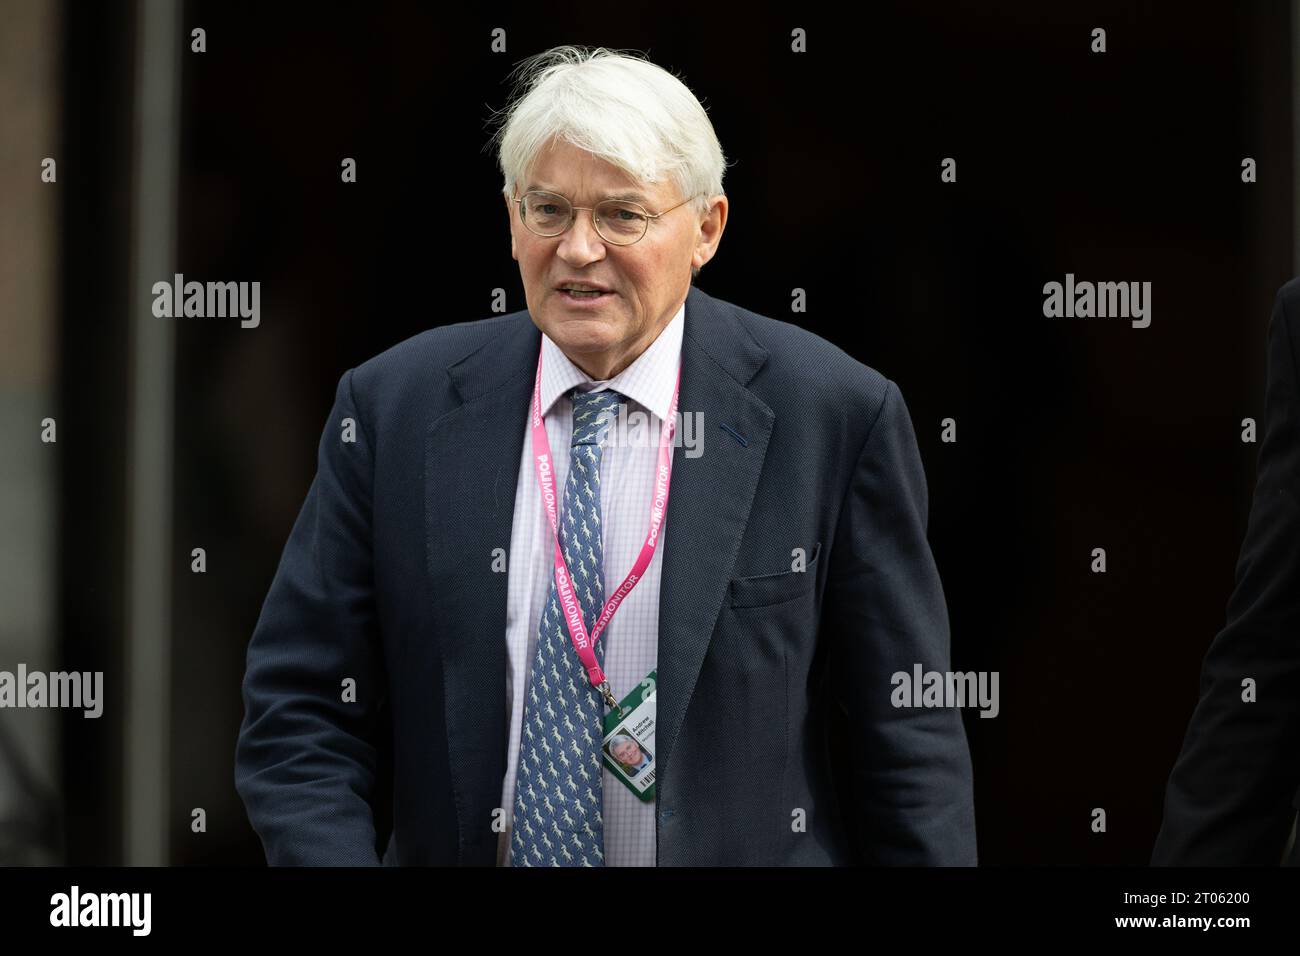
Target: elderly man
[
  {"x": 629, "y": 753},
  {"x": 483, "y": 572}
]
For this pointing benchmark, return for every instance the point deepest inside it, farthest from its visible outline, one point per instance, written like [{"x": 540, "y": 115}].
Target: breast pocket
[{"x": 761, "y": 590}]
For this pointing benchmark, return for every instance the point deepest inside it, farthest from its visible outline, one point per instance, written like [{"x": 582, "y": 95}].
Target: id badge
[{"x": 629, "y": 745}]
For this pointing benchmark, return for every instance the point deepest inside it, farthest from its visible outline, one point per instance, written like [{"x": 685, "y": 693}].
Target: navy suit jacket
[
  {"x": 1232, "y": 796},
  {"x": 777, "y": 741}
]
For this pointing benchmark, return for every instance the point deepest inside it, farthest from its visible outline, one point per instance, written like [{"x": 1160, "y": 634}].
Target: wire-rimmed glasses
[{"x": 618, "y": 221}]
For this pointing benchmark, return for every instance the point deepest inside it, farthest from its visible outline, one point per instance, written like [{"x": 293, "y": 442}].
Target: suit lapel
[
  {"x": 471, "y": 470},
  {"x": 708, "y": 502}
]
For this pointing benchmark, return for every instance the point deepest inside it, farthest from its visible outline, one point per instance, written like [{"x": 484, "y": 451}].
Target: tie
[{"x": 557, "y": 819}]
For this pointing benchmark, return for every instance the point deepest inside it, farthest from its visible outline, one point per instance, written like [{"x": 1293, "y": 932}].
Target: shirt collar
[{"x": 649, "y": 380}]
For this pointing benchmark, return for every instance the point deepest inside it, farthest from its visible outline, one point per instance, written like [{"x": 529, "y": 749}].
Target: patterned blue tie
[{"x": 557, "y": 819}]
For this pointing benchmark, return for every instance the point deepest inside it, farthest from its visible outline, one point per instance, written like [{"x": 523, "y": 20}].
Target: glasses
[{"x": 617, "y": 221}]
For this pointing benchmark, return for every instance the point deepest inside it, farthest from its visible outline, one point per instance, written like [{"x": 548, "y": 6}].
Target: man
[
  {"x": 629, "y": 753},
  {"x": 1233, "y": 793},
  {"x": 464, "y": 563}
]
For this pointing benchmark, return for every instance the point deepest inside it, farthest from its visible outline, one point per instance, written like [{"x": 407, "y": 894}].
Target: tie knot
[{"x": 592, "y": 413}]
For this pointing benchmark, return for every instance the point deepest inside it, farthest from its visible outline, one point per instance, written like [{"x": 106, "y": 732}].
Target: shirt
[{"x": 631, "y": 638}]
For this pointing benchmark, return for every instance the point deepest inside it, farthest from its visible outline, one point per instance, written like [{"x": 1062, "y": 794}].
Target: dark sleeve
[
  {"x": 305, "y": 759},
  {"x": 908, "y": 770},
  {"x": 1229, "y": 797}
]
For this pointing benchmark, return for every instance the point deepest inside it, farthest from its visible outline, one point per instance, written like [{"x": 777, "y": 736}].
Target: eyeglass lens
[{"x": 548, "y": 214}]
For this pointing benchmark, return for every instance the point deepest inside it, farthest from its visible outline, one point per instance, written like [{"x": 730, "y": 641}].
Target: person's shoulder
[
  {"x": 1286, "y": 310},
  {"x": 436, "y": 348},
  {"x": 802, "y": 366},
  {"x": 1288, "y": 295}
]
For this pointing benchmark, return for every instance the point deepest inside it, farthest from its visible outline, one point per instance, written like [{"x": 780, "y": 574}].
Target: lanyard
[{"x": 584, "y": 643}]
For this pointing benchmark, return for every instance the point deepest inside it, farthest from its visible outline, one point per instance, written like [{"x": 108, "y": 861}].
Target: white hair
[{"x": 623, "y": 109}]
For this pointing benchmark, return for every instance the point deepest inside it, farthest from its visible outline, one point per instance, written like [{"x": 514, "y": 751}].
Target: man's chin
[{"x": 583, "y": 333}]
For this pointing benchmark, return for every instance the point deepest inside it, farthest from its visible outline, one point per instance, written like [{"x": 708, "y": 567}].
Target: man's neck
[{"x": 599, "y": 368}]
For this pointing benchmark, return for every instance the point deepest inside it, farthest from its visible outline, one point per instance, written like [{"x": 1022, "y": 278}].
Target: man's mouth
[{"x": 575, "y": 295}]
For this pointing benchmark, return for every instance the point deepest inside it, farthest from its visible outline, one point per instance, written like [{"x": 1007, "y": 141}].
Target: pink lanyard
[{"x": 583, "y": 643}]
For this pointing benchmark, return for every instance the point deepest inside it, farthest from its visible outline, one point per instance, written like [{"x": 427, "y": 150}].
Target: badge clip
[{"x": 608, "y": 695}]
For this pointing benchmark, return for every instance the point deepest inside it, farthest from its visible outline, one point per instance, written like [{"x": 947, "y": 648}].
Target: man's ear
[{"x": 711, "y": 229}]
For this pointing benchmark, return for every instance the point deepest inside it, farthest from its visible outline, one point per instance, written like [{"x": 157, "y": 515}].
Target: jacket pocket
[{"x": 761, "y": 590}]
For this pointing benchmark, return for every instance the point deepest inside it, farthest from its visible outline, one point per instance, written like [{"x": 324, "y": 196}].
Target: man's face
[
  {"x": 648, "y": 279},
  {"x": 628, "y": 752}
]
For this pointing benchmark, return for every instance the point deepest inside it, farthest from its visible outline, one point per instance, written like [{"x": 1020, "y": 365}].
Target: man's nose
[{"x": 581, "y": 243}]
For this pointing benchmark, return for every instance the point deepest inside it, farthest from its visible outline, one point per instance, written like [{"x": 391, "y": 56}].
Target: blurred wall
[{"x": 30, "y": 110}]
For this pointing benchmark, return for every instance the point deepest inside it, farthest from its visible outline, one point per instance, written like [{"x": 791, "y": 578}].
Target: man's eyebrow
[{"x": 626, "y": 197}]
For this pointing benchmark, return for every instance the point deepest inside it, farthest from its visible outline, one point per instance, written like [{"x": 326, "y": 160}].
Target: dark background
[{"x": 1072, "y": 433}]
